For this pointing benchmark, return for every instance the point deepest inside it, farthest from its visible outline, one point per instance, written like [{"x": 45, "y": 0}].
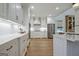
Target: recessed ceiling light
[
  {"x": 18, "y": 6},
  {"x": 57, "y": 8},
  {"x": 32, "y": 7}
]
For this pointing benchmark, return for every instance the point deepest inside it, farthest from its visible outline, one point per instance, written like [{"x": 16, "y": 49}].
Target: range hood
[{"x": 37, "y": 22}]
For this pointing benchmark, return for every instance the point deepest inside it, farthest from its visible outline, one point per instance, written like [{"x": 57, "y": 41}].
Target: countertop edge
[{"x": 14, "y": 36}]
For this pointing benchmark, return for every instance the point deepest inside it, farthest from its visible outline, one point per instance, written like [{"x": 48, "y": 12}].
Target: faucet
[{"x": 21, "y": 29}]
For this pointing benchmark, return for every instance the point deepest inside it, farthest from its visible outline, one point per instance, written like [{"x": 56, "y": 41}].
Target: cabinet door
[
  {"x": 12, "y": 11},
  {"x": 9, "y": 48},
  {"x": 70, "y": 23},
  {"x": 59, "y": 46},
  {"x": 77, "y": 22},
  {"x": 19, "y": 13},
  {"x": 23, "y": 45},
  {"x": 77, "y": 18},
  {"x": 3, "y": 10},
  {"x": 14, "y": 50},
  {"x": 3, "y": 49}
]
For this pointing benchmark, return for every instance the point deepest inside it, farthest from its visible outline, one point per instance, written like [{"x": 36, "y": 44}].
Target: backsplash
[{"x": 7, "y": 28}]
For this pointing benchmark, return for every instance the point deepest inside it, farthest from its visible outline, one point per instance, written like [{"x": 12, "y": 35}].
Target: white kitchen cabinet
[
  {"x": 59, "y": 45},
  {"x": 14, "y": 50},
  {"x": 76, "y": 17},
  {"x": 19, "y": 13},
  {"x": 15, "y": 12},
  {"x": 10, "y": 48},
  {"x": 77, "y": 29},
  {"x": 22, "y": 45},
  {"x": 77, "y": 21},
  {"x": 39, "y": 34},
  {"x": 15, "y": 47},
  {"x": 12, "y": 11},
  {"x": 77, "y": 25},
  {"x": 3, "y": 10}
]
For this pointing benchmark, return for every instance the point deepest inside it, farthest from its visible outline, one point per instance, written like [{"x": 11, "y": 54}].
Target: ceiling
[{"x": 45, "y": 9}]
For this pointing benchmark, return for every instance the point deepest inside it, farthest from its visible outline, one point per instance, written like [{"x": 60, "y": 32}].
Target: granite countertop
[{"x": 72, "y": 33}]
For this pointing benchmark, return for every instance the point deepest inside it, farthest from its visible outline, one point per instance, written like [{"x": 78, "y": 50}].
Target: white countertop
[
  {"x": 7, "y": 38},
  {"x": 69, "y": 37},
  {"x": 60, "y": 35}
]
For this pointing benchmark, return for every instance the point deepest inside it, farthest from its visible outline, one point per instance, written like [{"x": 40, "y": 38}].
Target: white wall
[{"x": 50, "y": 20}]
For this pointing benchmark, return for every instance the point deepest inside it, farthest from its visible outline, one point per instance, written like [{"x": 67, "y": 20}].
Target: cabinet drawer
[
  {"x": 14, "y": 50},
  {"x": 4, "y": 48},
  {"x": 9, "y": 48}
]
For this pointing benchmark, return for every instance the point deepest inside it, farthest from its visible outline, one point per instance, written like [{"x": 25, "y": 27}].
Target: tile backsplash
[{"x": 7, "y": 28}]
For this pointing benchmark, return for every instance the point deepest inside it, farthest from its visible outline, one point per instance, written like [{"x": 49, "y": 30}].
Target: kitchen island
[{"x": 66, "y": 45}]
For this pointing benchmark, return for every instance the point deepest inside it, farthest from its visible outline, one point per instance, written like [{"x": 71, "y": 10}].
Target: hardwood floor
[{"x": 40, "y": 47}]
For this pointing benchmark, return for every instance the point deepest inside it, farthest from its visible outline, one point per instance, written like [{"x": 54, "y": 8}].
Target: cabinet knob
[{"x": 24, "y": 40}]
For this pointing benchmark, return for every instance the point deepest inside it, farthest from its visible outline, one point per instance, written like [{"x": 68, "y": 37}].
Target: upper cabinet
[
  {"x": 77, "y": 18},
  {"x": 12, "y": 11},
  {"x": 70, "y": 23},
  {"x": 19, "y": 13},
  {"x": 15, "y": 12},
  {"x": 3, "y": 10}
]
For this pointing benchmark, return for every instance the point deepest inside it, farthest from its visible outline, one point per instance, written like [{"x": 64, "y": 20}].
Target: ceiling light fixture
[
  {"x": 57, "y": 8},
  {"x": 32, "y": 7},
  {"x": 18, "y": 6}
]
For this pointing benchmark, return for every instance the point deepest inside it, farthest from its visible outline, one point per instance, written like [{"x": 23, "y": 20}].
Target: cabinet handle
[
  {"x": 9, "y": 48},
  {"x": 24, "y": 40},
  {"x": 16, "y": 17}
]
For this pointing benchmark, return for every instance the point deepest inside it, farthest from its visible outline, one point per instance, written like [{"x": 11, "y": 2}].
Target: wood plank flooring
[{"x": 40, "y": 47}]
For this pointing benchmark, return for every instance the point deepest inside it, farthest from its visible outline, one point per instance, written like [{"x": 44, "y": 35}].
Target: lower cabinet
[
  {"x": 22, "y": 45},
  {"x": 59, "y": 45},
  {"x": 9, "y": 49},
  {"x": 16, "y": 47}
]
